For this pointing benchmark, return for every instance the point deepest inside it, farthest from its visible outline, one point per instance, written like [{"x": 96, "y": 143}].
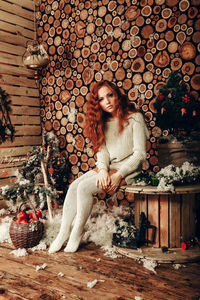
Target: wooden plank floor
[{"x": 118, "y": 278}]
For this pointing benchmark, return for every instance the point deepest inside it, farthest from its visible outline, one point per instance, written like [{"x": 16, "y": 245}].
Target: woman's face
[{"x": 108, "y": 100}]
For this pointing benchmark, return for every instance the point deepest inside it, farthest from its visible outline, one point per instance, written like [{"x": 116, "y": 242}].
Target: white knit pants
[{"x": 78, "y": 204}]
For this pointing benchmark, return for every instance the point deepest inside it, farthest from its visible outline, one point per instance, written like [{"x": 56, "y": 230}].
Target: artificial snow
[
  {"x": 149, "y": 264},
  {"x": 42, "y": 267},
  {"x": 4, "y": 229},
  {"x": 19, "y": 252},
  {"x": 3, "y": 212},
  {"x": 91, "y": 284}
]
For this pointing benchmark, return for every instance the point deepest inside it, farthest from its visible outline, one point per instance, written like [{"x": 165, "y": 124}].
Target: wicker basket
[{"x": 26, "y": 235}]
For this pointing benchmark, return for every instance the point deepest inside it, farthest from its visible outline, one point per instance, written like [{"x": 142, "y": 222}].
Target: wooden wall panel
[{"x": 17, "y": 26}]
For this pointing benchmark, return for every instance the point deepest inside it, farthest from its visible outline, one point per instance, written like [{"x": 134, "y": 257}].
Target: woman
[{"x": 118, "y": 133}]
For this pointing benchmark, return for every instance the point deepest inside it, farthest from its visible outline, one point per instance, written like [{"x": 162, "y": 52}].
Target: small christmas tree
[
  {"x": 177, "y": 108},
  {"x": 44, "y": 173},
  {"x": 6, "y": 128}
]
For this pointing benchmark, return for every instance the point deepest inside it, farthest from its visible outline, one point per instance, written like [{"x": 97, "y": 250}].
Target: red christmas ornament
[
  {"x": 50, "y": 170},
  {"x": 183, "y": 111},
  {"x": 161, "y": 97},
  {"x": 194, "y": 113},
  {"x": 163, "y": 110}
]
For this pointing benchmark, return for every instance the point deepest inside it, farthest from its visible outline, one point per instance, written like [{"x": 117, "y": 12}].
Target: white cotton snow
[
  {"x": 19, "y": 252},
  {"x": 149, "y": 264},
  {"x": 42, "y": 267},
  {"x": 3, "y": 212},
  {"x": 4, "y": 229},
  {"x": 91, "y": 284}
]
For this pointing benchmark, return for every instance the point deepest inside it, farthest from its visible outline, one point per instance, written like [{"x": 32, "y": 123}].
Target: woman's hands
[
  {"x": 109, "y": 183},
  {"x": 103, "y": 179}
]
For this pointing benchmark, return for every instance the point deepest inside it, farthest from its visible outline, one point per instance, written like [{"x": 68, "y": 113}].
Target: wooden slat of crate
[
  {"x": 140, "y": 206},
  {"x": 164, "y": 221},
  {"x": 187, "y": 217},
  {"x": 154, "y": 217},
  {"x": 174, "y": 221}
]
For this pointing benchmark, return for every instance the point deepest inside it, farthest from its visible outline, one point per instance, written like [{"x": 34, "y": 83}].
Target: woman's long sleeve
[
  {"x": 140, "y": 134},
  {"x": 103, "y": 158}
]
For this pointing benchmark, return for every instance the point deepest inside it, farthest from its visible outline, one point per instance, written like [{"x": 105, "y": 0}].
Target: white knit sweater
[{"x": 126, "y": 151}]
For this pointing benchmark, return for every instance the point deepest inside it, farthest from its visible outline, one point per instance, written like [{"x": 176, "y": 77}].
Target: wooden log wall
[
  {"x": 133, "y": 43},
  {"x": 17, "y": 26}
]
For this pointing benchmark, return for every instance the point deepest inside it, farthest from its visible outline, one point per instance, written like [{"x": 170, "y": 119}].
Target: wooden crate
[{"x": 174, "y": 215}]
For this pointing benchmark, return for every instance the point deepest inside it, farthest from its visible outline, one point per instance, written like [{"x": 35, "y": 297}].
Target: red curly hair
[{"x": 96, "y": 117}]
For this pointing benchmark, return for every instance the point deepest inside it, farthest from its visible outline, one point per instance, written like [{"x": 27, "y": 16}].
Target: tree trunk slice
[
  {"x": 181, "y": 36},
  {"x": 108, "y": 75},
  {"x": 112, "y": 5},
  {"x": 56, "y": 125},
  {"x": 133, "y": 94},
  {"x": 95, "y": 47},
  {"x": 68, "y": 72},
  {"x": 188, "y": 68},
  {"x": 171, "y": 3},
  {"x": 90, "y": 28},
  {"x": 79, "y": 142},
  {"x": 80, "y": 29},
  {"x": 146, "y": 31},
  {"x": 161, "y": 59},
  {"x": 127, "y": 84},
  {"x": 195, "y": 82},
  {"x": 69, "y": 84},
  {"x": 88, "y": 75},
  {"x": 148, "y": 76},
  {"x": 73, "y": 159},
  {"x": 169, "y": 36},
  {"x": 173, "y": 47},
  {"x": 146, "y": 11},
  {"x": 161, "y": 25},
  {"x": 171, "y": 22},
  {"x": 141, "y": 51},
  {"x": 183, "y": 5},
  {"x": 137, "y": 79},
  {"x": 193, "y": 12},
  {"x": 187, "y": 51},
  {"x": 161, "y": 45},
  {"x": 132, "y": 13},
  {"x": 138, "y": 65},
  {"x": 120, "y": 74},
  {"x": 166, "y": 13},
  {"x": 48, "y": 125}
]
